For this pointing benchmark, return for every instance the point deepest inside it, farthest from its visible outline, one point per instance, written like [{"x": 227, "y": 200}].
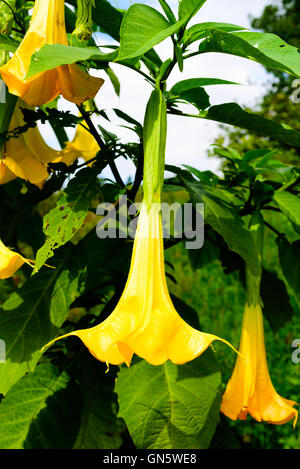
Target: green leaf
[
  {"x": 202, "y": 30},
  {"x": 32, "y": 315},
  {"x": 207, "y": 254},
  {"x": 8, "y": 44},
  {"x": 170, "y": 406},
  {"x": 100, "y": 428},
  {"x": 62, "y": 223},
  {"x": 196, "y": 96},
  {"x": 276, "y": 303},
  {"x": 191, "y": 91},
  {"x": 142, "y": 28},
  {"x": 108, "y": 17},
  {"x": 289, "y": 256},
  {"x": 54, "y": 55},
  {"x": 264, "y": 48},
  {"x": 224, "y": 219},
  {"x": 114, "y": 80},
  {"x": 168, "y": 11},
  {"x": 40, "y": 411},
  {"x": 289, "y": 204},
  {"x": 233, "y": 114},
  {"x": 192, "y": 83},
  {"x": 188, "y": 8}
]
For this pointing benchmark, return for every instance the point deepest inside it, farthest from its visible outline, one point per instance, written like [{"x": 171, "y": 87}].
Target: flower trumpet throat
[
  {"x": 145, "y": 321},
  {"x": 250, "y": 389},
  {"x": 47, "y": 27}
]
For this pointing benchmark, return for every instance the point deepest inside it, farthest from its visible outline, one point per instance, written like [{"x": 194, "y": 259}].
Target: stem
[
  {"x": 272, "y": 228},
  {"x": 101, "y": 144},
  {"x": 138, "y": 175}
]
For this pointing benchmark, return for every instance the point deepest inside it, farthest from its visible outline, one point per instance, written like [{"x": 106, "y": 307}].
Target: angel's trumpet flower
[
  {"x": 83, "y": 146},
  {"x": 25, "y": 156},
  {"x": 145, "y": 321},
  {"x": 250, "y": 389},
  {"x": 47, "y": 27},
  {"x": 10, "y": 262}
]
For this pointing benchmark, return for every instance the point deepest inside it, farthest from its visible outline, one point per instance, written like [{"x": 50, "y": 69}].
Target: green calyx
[
  {"x": 253, "y": 282},
  {"x": 154, "y": 138},
  {"x": 84, "y": 23}
]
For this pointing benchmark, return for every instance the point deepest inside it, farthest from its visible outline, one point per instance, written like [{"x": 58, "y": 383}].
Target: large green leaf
[
  {"x": 32, "y": 315},
  {"x": 108, "y": 18},
  {"x": 276, "y": 303},
  {"x": 202, "y": 30},
  {"x": 63, "y": 222},
  {"x": 267, "y": 49},
  {"x": 192, "y": 91},
  {"x": 40, "y": 411},
  {"x": 170, "y": 406},
  {"x": 53, "y": 55},
  {"x": 142, "y": 28},
  {"x": 290, "y": 206},
  {"x": 188, "y": 8},
  {"x": 8, "y": 44},
  {"x": 192, "y": 83},
  {"x": 233, "y": 114},
  {"x": 99, "y": 427},
  {"x": 225, "y": 220},
  {"x": 289, "y": 255}
]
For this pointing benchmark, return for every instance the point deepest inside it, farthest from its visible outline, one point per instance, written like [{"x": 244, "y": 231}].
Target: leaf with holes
[
  {"x": 62, "y": 223},
  {"x": 265, "y": 48},
  {"x": 32, "y": 315}
]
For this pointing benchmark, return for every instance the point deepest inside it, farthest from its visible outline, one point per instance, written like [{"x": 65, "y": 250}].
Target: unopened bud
[{"x": 84, "y": 23}]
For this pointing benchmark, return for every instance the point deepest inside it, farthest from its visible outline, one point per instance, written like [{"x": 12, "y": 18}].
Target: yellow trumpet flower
[
  {"x": 83, "y": 146},
  {"x": 47, "y": 27},
  {"x": 6, "y": 175},
  {"x": 10, "y": 262},
  {"x": 145, "y": 321},
  {"x": 250, "y": 389},
  {"x": 27, "y": 155}
]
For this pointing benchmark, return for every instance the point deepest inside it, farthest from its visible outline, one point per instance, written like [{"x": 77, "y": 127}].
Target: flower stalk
[{"x": 250, "y": 389}]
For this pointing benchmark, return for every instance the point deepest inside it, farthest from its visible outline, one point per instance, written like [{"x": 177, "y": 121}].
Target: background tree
[{"x": 282, "y": 100}]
